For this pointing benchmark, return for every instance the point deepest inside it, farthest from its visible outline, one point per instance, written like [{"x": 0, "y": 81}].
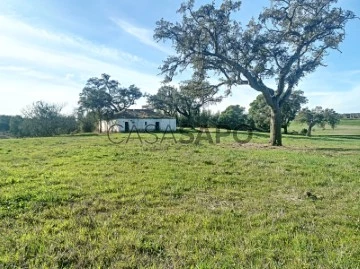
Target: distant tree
[
  {"x": 4, "y": 123},
  {"x": 287, "y": 42},
  {"x": 260, "y": 111},
  {"x": 45, "y": 119},
  {"x": 331, "y": 117},
  {"x": 164, "y": 100},
  {"x": 15, "y": 126},
  {"x": 233, "y": 117},
  {"x": 318, "y": 116},
  {"x": 187, "y": 101},
  {"x": 42, "y": 119},
  {"x": 207, "y": 119},
  {"x": 87, "y": 122},
  {"x": 104, "y": 97}
]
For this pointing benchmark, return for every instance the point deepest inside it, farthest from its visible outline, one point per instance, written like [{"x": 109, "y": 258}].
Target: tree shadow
[
  {"x": 337, "y": 149},
  {"x": 324, "y": 137},
  {"x": 356, "y": 137}
]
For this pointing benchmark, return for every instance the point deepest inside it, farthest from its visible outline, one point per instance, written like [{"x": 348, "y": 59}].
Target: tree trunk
[
  {"x": 285, "y": 129},
  {"x": 100, "y": 123},
  {"x": 309, "y": 130},
  {"x": 275, "y": 126}
]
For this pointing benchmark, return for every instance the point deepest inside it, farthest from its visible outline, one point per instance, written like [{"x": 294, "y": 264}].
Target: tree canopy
[
  {"x": 104, "y": 97},
  {"x": 318, "y": 116},
  {"x": 286, "y": 42},
  {"x": 42, "y": 119},
  {"x": 187, "y": 101},
  {"x": 233, "y": 118}
]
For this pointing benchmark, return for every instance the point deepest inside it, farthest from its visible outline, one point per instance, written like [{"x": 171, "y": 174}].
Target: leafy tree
[
  {"x": 207, "y": 119},
  {"x": 331, "y": 117},
  {"x": 42, "y": 119},
  {"x": 318, "y": 116},
  {"x": 87, "y": 122},
  {"x": 288, "y": 41},
  {"x": 186, "y": 101},
  {"x": 4, "y": 123},
  {"x": 104, "y": 97},
  {"x": 164, "y": 100},
  {"x": 260, "y": 112},
  {"x": 233, "y": 117},
  {"x": 15, "y": 126}
]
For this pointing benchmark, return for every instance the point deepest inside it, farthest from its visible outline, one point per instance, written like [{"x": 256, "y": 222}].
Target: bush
[{"x": 303, "y": 131}]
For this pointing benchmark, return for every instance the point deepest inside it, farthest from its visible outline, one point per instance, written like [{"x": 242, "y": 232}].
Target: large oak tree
[{"x": 286, "y": 42}]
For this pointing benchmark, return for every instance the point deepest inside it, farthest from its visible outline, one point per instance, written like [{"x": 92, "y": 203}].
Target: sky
[{"x": 50, "y": 48}]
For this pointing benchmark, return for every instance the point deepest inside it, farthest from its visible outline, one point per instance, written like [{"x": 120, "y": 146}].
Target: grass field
[
  {"x": 346, "y": 127},
  {"x": 83, "y": 202}
]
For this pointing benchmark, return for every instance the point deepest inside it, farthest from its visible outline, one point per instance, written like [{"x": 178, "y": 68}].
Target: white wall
[{"x": 139, "y": 124}]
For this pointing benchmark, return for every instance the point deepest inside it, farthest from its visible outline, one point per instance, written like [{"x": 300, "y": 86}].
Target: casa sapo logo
[{"x": 242, "y": 134}]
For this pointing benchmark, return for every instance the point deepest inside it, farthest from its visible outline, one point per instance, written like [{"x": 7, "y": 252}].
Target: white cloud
[
  {"x": 18, "y": 30},
  {"x": 37, "y": 64},
  {"x": 142, "y": 34}
]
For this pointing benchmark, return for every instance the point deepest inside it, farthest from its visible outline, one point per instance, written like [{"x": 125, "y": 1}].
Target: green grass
[
  {"x": 346, "y": 127},
  {"x": 83, "y": 202}
]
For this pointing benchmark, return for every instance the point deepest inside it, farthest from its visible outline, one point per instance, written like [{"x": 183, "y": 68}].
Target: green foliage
[
  {"x": 260, "y": 112},
  {"x": 207, "y": 119},
  {"x": 42, "y": 119},
  {"x": 87, "y": 121},
  {"x": 82, "y": 202},
  {"x": 331, "y": 117},
  {"x": 233, "y": 118},
  {"x": 104, "y": 97},
  {"x": 165, "y": 100},
  {"x": 15, "y": 126},
  {"x": 185, "y": 102},
  {"x": 318, "y": 116},
  {"x": 5, "y": 123}
]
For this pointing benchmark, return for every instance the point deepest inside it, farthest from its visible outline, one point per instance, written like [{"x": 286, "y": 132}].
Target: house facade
[{"x": 144, "y": 120}]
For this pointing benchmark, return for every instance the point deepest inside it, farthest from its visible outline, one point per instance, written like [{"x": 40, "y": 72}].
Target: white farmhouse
[{"x": 139, "y": 119}]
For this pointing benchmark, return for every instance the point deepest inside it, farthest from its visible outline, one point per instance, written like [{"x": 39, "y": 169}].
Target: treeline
[
  {"x": 103, "y": 98},
  {"x": 42, "y": 119}
]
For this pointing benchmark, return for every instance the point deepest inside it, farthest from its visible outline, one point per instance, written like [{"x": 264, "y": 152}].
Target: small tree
[
  {"x": 5, "y": 123},
  {"x": 164, "y": 100},
  {"x": 43, "y": 119},
  {"x": 260, "y": 112},
  {"x": 233, "y": 117},
  {"x": 187, "y": 101},
  {"x": 331, "y": 117},
  {"x": 15, "y": 126},
  {"x": 318, "y": 116}
]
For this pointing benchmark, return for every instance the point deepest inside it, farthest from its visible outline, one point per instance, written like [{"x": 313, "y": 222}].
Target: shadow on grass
[
  {"x": 341, "y": 136},
  {"x": 85, "y": 134},
  {"x": 338, "y": 149},
  {"x": 324, "y": 137}
]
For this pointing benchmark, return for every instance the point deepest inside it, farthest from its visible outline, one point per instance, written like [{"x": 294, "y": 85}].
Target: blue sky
[{"x": 49, "y": 48}]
